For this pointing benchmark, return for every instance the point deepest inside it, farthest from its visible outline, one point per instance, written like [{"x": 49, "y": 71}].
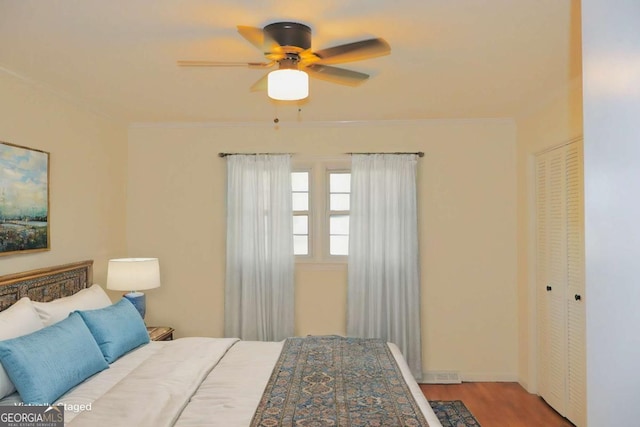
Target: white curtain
[
  {"x": 384, "y": 276},
  {"x": 259, "y": 302}
]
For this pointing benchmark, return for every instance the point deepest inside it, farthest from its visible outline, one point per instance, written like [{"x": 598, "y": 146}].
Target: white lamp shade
[
  {"x": 133, "y": 274},
  {"x": 288, "y": 85}
]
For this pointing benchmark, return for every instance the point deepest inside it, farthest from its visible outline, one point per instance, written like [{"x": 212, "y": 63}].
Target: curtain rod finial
[{"x": 417, "y": 153}]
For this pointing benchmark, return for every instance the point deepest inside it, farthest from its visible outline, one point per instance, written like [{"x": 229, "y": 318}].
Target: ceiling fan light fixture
[
  {"x": 288, "y": 44},
  {"x": 288, "y": 85}
]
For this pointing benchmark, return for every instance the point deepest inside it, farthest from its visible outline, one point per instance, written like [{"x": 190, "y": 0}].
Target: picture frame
[{"x": 24, "y": 200}]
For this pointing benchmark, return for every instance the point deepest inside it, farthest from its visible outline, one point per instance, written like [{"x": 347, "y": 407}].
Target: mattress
[{"x": 187, "y": 382}]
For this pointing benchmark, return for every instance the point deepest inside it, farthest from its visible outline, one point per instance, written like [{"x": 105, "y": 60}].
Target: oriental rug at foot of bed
[{"x": 336, "y": 381}]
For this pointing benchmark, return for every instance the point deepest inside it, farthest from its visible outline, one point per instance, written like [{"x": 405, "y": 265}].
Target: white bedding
[{"x": 188, "y": 382}]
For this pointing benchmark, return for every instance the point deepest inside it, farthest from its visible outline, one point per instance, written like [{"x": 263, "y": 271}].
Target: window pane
[
  {"x": 301, "y": 245},
  {"x": 300, "y": 201},
  {"x": 339, "y": 245},
  {"x": 300, "y": 181},
  {"x": 339, "y": 224},
  {"x": 339, "y": 202},
  {"x": 300, "y": 224},
  {"x": 339, "y": 182}
]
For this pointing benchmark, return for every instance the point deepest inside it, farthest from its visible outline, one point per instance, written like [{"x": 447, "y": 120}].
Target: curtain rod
[
  {"x": 250, "y": 154},
  {"x": 418, "y": 153}
]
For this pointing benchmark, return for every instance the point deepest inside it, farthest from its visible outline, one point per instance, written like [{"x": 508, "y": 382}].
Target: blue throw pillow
[
  {"x": 45, "y": 364},
  {"x": 117, "y": 329}
]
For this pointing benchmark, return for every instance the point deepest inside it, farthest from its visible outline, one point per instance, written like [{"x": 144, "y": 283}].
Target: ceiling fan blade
[
  {"x": 260, "y": 84},
  {"x": 253, "y": 35},
  {"x": 258, "y": 38},
  {"x": 336, "y": 75},
  {"x": 355, "y": 51},
  {"x": 225, "y": 64},
  {"x": 307, "y": 57}
]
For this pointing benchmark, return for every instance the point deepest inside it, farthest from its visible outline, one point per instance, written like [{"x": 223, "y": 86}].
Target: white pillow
[
  {"x": 59, "y": 309},
  {"x": 19, "y": 319}
]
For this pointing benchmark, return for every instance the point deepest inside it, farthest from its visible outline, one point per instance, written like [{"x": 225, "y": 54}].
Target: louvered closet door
[
  {"x": 552, "y": 290},
  {"x": 560, "y": 281},
  {"x": 576, "y": 320},
  {"x": 542, "y": 273}
]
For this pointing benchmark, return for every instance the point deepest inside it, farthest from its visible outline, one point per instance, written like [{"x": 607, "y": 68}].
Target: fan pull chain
[{"x": 276, "y": 120}]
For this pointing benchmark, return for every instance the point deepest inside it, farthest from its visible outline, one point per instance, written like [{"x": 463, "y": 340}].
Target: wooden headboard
[{"x": 45, "y": 284}]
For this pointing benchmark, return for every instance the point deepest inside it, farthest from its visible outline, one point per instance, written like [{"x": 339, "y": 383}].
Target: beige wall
[
  {"x": 467, "y": 196},
  {"x": 87, "y": 175},
  {"x": 556, "y": 122}
]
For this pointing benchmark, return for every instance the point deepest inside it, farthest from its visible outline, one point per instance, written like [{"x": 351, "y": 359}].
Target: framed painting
[{"x": 24, "y": 199}]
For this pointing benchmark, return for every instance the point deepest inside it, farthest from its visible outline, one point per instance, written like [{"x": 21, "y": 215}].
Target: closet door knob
[
  {"x": 578, "y": 297},
  {"x": 548, "y": 288}
]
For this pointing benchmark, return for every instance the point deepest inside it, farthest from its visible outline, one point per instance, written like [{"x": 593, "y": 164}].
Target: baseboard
[
  {"x": 454, "y": 377},
  {"x": 441, "y": 377},
  {"x": 528, "y": 387},
  {"x": 492, "y": 377}
]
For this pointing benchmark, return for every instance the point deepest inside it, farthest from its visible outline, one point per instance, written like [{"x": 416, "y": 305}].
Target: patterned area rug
[
  {"x": 453, "y": 413},
  {"x": 324, "y": 381}
]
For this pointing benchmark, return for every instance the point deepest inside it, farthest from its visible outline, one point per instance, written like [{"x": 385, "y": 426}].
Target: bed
[{"x": 200, "y": 381}]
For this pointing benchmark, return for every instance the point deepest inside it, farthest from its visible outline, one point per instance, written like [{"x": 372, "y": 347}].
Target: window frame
[
  {"x": 328, "y": 213},
  {"x": 308, "y": 213},
  {"x": 319, "y": 169}
]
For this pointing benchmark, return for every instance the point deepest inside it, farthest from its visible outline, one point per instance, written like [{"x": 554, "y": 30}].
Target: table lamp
[{"x": 134, "y": 275}]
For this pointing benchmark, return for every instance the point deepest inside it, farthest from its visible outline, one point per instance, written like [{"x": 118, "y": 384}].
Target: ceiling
[{"x": 449, "y": 59}]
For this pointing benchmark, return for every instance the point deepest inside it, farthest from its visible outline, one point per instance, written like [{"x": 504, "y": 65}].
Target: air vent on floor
[{"x": 442, "y": 377}]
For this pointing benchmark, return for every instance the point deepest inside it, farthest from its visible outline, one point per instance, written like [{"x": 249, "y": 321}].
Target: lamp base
[{"x": 139, "y": 301}]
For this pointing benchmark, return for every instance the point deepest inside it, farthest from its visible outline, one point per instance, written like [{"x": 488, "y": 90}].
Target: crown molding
[
  {"x": 307, "y": 124},
  {"x": 61, "y": 95}
]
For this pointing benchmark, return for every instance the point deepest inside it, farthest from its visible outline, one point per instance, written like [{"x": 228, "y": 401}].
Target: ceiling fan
[{"x": 288, "y": 45}]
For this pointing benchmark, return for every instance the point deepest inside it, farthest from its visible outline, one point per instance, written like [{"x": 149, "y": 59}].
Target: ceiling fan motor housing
[
  {"x": 288, "y": 34},
  {"x": 288, "y": 44}
]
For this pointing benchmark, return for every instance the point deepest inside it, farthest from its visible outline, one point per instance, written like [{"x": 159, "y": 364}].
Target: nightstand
[{"x": 160, "y": 333}]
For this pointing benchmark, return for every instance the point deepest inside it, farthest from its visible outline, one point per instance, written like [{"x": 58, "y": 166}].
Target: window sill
[{"x": 321, "y": 265}]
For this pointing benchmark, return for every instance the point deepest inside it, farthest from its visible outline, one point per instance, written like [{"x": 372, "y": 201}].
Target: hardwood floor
[{"x": 499, "y": 404}]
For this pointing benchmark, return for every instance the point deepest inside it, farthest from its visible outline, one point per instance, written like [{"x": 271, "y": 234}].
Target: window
[
  {"x": 300, "y": 205},
  {"x": 321, "y": 198},
  {"x": 339, "y": 203}
]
